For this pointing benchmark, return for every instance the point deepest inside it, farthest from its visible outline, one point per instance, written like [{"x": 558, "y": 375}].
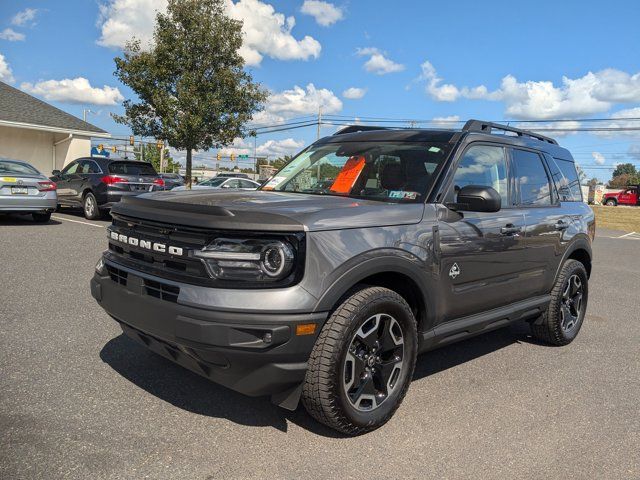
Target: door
[
  {"x": 546, "y": 222},
  {"x": 64, "y": 182},
  {"x": 87, "y": 171},
  {"x": 481, "y": 253},
  {"x": 627, "y": 197}
]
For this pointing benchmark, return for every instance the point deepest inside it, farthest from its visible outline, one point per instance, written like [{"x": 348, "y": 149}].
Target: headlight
[{"x": 261, "y": 260}]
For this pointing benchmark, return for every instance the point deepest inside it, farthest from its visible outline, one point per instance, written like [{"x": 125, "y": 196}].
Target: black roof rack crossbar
[
  {"x": 486, "y": 127},
  {"x": 359, "y": 128}
]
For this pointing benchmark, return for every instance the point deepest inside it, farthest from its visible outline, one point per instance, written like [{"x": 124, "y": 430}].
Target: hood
[{"x": 268, "y": 210}]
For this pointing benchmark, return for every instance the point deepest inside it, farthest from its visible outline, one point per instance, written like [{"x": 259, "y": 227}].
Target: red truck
[{"x": 629, "y": 196}]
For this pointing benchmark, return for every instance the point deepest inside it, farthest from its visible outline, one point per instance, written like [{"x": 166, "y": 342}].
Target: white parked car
[{"x": 222, "y": 182}]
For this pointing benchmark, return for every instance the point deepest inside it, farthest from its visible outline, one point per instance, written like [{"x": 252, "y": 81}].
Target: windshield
[
  {"x": 388, "y": 172},
  {"x": 131, "y": 168},
  {"x": 216, "y": 182},
  {"x": 16, "y": 168}
]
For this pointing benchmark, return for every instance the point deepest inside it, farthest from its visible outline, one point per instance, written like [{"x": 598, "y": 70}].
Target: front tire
[
  {"x": 611, "y": 203},
  {"x": 562, "y": 321},
  {"x": 90, "y": 207},
  {"x": 362, "y": 363}
]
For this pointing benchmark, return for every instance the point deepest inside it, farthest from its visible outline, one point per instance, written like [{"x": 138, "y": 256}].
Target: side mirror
[
  {"x": 56, "y": 173},
  {"x": 477, "y": 198}
]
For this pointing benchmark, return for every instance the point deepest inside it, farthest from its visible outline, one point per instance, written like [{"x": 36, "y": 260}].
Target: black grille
[
  {"x": 161, "y": 290},
  {"x": 117, "y": 275}
]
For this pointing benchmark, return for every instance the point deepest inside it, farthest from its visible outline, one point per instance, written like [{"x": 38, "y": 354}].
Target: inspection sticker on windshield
[
  {"x": 402, "y": 195},
  {"x": 273, "y": 183}
]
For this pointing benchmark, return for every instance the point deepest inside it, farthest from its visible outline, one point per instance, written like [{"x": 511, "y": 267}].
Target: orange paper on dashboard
[{"x": 348, "y": 176}]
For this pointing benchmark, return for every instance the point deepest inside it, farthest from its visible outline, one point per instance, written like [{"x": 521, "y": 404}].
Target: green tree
[
  {"x": 623, "y": 180},
  {"x": 152, "y": 155},
  {"x": 625, "y": 168},
  {"x": 280, "y": 162},
  {"x": 191, "y": 84}
]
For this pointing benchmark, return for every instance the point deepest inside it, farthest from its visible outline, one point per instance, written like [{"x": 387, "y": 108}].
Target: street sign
[{"x": 243, "y": 156}]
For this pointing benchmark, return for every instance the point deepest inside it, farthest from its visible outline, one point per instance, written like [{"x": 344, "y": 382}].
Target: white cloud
[
  {"x": 378, "y": 63},
  {"x": 120, "y": 20},
  {"x": 440, "y": 93},
  {"x": 265, "y": 31},
  {"x": 6, "y": 75},
  {"x": 296, "y": 102},
  {"x": 325, "y": 13},
  {"x": 446, "y": 122},
  {"x": 77, "y": 90},
  {"x": 598, "y": 158},
  {"x": 551, "y": 129},
  {"x": 354, "y": 93},
  {"x": 621, "y": 119},
  {"x": 11, "y": 35},
  {"x": 592, "y": 93},
  {"x": 24, "y": 17}
]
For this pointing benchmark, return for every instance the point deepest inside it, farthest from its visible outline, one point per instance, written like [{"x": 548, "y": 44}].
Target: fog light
[{"x": 267, "y": 338}]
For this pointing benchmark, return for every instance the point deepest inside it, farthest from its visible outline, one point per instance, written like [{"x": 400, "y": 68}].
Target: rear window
[
  {"x": 131, "y": 168},
  {"x": 16, "y": 168},
  {"x": 566, "y": 180}
]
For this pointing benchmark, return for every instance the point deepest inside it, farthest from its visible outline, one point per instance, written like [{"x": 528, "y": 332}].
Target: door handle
[
  {"x": 510, "y": 229},
  {"x": 561, "y": 225}
]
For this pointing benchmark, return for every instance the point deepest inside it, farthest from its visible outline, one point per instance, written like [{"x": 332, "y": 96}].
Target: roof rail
[
  {"x": 486, "y": 127},
  {"x": 359, "y": 128}
]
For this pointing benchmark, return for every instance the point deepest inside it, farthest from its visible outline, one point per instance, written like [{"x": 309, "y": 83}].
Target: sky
[{"x": 433, "y": 62}]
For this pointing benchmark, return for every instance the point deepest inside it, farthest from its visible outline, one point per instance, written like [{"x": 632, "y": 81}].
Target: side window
[
  {"x": 483, "y": 165},
  {"x": 570, "y": 174},
  {"x": 246, "y": 184},
  {"x": 92, "y": 167},
  {"x": 531, "y": 177},
  {"x": 232, "y": 184},
  {"x": 69, "y": 169}
]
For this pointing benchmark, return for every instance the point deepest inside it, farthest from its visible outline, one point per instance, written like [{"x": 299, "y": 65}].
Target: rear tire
[
  {"x": 362, "y": 363},
  {"x": 562, "y": 321},
  {"x": 41, "y": 217},
  {"x": 611, "y": 203},
  {"x": 90, "y": 207}
]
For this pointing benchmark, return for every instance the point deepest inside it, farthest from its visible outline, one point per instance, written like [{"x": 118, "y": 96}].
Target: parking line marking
[
  {"x": 626, "y": 235},
  {"x": 76, "y": 221}
]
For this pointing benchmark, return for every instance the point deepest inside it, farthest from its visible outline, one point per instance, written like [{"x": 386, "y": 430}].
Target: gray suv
[{"x": 371, "y": 246}]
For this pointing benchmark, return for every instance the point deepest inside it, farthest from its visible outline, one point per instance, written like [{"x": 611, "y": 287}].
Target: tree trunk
[{"x": 188, "y": 170}]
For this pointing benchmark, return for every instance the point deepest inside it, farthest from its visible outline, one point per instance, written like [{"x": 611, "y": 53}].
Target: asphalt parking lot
[{"x": 79, "y": 400}]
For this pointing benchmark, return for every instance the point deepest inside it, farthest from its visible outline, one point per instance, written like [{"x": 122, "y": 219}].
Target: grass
[{"x": 626, "y": 219}]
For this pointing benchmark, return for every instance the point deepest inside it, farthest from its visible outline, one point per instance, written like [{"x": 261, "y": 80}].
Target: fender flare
[
  {"x": 388, "y": 263},
  {"x": 580, "y": 243}
]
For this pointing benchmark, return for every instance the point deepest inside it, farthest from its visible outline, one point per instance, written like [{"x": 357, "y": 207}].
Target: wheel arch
[
  {"x": 579, "y": 250},
  {"x": 395, "y": 273}
]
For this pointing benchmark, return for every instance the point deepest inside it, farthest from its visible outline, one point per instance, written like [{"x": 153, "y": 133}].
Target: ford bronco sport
[{"x": 371, "y": 246}]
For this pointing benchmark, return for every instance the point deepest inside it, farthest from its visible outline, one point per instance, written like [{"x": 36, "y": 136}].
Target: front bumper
[{"x": 255, "y": 353}]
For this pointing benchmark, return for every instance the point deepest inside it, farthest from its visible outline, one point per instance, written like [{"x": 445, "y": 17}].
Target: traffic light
[
  {"x": 219, "y": 156},
  {"x": 114, "y": 149},
  {"x": 160, "y": 144},
  {"x": 132, "y": 140},
  {"x": 233, "y": 157},
  {"x": 100, "y": 147}
]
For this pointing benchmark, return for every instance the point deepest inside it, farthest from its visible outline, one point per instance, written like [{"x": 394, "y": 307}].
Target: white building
[{"x": 41, "y": 134}]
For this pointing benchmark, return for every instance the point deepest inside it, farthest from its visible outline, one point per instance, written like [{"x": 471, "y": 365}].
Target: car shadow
[
  {"x": 24, "y": 220},
  {"x": 191, "y": 392}
]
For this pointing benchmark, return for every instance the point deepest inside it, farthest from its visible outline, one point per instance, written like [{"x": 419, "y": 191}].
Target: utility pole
[
  {"x": 162, "y": 167},
  {"x": 255, "y": 150},
  {"x": 84, "y": 113},
  {"x": 319, "y": 121}
]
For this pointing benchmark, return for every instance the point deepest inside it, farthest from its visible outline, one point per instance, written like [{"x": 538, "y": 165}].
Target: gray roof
[{"x": 17, "y": 106}]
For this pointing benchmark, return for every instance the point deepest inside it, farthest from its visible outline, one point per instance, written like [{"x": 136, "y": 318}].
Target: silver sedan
[
  {"x": 223, "y": 182},
  {"x": 23, "y": 189}
]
